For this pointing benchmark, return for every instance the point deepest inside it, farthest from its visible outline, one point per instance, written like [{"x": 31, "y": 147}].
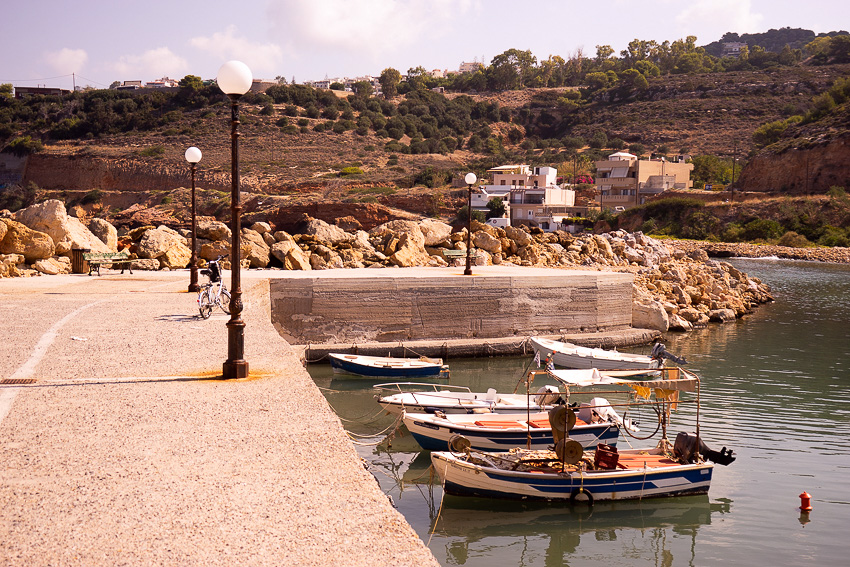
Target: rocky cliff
[{"x": 801, "y": 170}]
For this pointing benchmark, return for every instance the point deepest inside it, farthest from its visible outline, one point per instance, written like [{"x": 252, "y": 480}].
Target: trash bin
[{"x": 78, "y": 263}]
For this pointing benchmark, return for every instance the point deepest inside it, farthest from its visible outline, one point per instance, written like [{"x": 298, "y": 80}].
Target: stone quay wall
[{"x": 432, "y": 304}]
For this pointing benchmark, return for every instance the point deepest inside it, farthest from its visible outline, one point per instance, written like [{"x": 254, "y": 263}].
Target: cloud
[
  {"x": 152, "y": 64},
  {"x": 716, "y": 17},
  {"x": 66, "y": 60},
  {"x": 369, "y": 27},
  {"x": 226, "y": 45}
]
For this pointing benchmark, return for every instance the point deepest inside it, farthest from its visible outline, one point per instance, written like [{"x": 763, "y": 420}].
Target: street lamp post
[
  {"x": 193, "y": 156},
  {"x": 470, "y": 181},
  {"x": 234, "y": 79}
]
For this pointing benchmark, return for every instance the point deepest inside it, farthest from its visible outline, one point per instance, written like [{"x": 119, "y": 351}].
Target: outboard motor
[
  {"x": 659, "y": 352},
  {"x": 685, "y": 449}
]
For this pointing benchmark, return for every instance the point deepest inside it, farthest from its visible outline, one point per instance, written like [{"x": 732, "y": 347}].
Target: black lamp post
[
  {"x": 234, "y": 79},
  {"x": 193, "y": 156},
  {"x": 470, "y": 181}
]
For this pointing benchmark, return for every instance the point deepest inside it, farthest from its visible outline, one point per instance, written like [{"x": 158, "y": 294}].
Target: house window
[{"x": 502, "y": 182}]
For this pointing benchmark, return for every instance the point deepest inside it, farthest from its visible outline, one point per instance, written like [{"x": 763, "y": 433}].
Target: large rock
[
  {"x": 211, "y": 229},
  {"x": 9, "y": 264},
  {"x": 291, "y": 255},
  {"x": 212, "y": 250},
  {"x": 155, "y": 243},
  {"x": 107, "y": 233},
  {"x": 53, "y": 266},
  {"x": 650, "y": 316},
  {"x": 434, "y": 231},
  {"x": 31, "y": 244},
  {"x": 176, "y": 257},
  {"x": 410, "y": 251},
  {"x": 51, "y": 218},
  {"x": 326, "y": 233},
  {"x": 3, "y": 230},
  {"x": 487, "y": 241},
  {"x": 518, "y": 235},
  {"x": 254, "y": 248}
]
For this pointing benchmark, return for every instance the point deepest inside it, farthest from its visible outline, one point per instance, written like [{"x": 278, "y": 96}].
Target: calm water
[{"x": 776, "y": 389}]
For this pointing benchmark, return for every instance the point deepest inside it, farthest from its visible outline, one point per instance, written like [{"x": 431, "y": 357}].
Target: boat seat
[
  {"x": 501, "y": 424},
  {"x": 491, "y": 395}
]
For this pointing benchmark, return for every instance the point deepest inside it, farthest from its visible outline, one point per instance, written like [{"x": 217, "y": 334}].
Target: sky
[{"x": 57, "y": 43}]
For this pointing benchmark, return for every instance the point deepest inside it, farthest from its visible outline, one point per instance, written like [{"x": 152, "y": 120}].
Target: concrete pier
[{"x": 391, "y": 305}]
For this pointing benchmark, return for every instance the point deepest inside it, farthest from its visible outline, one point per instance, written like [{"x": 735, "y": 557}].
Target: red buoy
[{"x": 805, "y": 502}]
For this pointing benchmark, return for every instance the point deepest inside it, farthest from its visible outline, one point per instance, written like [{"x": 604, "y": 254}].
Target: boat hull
[
  {"x": 568, "y": 355},
  {"x": 434, "y": 435},
  {"x": 375, "y": 367},
  {"x": 461, "y": 478}
]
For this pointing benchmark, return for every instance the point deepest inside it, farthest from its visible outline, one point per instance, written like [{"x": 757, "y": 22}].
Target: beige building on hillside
[{"x": 625, "y": 181}]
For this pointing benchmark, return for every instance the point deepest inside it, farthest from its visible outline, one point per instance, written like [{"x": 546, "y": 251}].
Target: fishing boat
[
  {"x": 568, "y": 355},
  {"x": 570, "y": 473},
  {"x": 388, "y": 367},
  {"x": 428, "y": 398},
  {"x": 414, "y": 397},
  {"x": 500, "y": 432}
]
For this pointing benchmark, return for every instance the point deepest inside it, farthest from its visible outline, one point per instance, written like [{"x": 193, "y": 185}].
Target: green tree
[
  {"x": 496, "y": 208},
  {"x": 363, "y": 89},
  {"x": 510, "y": 70},
  {"x": 6, "y": 90},
  {"x": 191, "y": 82},
  {"x": 389, "y": 79},
  {"x": 416, "y": 78}
]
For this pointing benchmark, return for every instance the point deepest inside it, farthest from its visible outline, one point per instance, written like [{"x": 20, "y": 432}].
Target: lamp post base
[{"x": 235, "y": 369}]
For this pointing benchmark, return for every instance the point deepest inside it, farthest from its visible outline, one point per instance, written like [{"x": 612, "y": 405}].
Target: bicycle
[{"x": 213, "y": 292}]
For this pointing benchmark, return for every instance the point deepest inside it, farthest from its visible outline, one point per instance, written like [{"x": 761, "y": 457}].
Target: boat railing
[{"x": 402, "y": 387}]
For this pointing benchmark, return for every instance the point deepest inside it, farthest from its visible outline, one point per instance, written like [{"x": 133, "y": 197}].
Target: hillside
[{"x": 349, "y": 154}]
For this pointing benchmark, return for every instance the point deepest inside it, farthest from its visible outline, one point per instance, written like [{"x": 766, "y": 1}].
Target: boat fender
[
  {"x": 574, "y": 496},
  {"x": 430, "y": 409}
]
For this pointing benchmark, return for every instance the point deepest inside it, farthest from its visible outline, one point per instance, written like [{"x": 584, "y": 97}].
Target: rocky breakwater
[{"x": 674, "y": 289}]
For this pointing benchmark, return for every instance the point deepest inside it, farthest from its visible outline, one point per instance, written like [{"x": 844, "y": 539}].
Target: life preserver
[{"x": 576, "y": 492}]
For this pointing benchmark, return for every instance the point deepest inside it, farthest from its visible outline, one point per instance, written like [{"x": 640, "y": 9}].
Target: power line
[{"x": 34, "y": 80}]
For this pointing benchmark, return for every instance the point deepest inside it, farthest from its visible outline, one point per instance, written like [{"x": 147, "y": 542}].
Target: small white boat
[
  {"x": 388, "y": 367},
  {"x": 568, "y": 355},
  {"x": 414, "y": 397}
]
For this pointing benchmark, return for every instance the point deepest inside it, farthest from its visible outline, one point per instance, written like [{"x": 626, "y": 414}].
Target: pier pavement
[{"x": 119, "y": 445}]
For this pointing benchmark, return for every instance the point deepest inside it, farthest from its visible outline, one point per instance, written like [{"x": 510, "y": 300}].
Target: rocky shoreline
[
  {"x": 676, "y": 286},
  {"x": 836, "y": 255}
]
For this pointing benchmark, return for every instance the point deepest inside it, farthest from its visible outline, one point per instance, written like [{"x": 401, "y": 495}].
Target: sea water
[{"x": 775, "y": 390}]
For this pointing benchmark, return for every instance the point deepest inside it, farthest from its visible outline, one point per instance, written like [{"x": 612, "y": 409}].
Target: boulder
[
  {"x": 53, "y": 266},
  {"x": 3, "y": 230},
  {"x": 107, "y": 233},
  {"x": 212, "y": 250},
  {"x": 50, "y": 217},
  {"x": 211, "y": 229},
  {"x": 326, "y": 233},
  {"x": 154, "y": 243},
  {"x": 261, "y": 227},
  {"x": 9, "y": 264},
  {"x": 410, "y": 251},
  {"x": 518, "y": 235},
  {"x": 254, "y": 248},
  {"x": 721, "y": 315},
  {"x": 434, "y": 231},
  {"x": 31, "y": 244},
  {"x": 176, "y": 257},
  {"x": 650, "y": 316},
  {"x": 291, "y": 255},
  {"x": 487, "y": 241},
  {"x": 145, "y": 264}
]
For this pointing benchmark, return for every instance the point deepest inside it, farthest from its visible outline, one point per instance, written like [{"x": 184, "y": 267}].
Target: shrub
[
  {"x": 23, "y": 146},
  {"x": 794, "y": 240},
  {"x": 762, "y": 229},
  {"x": 93, "y": 196},
  {"x": 350, "y": 170},
  {"x": 834, "y": 236},
  {"x": 153, "y": 151}
]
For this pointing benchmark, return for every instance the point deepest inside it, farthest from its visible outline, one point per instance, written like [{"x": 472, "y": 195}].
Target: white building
[{"x": 530, "y": 195}]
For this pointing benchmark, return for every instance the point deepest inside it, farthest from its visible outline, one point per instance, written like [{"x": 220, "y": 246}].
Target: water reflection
[{"x": 775, "y": 388}]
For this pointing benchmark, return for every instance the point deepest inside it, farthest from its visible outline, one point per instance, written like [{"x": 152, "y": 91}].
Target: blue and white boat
[
  {"x": 388, "y": 367},
  {"x": 540, "y": 475},
  {"x": 500, "y": 432}
]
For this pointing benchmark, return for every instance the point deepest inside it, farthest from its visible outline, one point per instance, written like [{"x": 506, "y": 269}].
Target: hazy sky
[{"x": 101, "y": 41}]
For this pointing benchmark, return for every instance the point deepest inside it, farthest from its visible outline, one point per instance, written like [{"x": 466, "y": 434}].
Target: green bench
[
  {"x": 459, "y": 254},
  {"x": 98, "y": 259}
]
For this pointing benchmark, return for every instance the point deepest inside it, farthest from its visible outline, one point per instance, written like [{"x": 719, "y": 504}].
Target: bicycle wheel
[
  {"x": 205, "y": 303},
  {"x": 224, "y": 301}
]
